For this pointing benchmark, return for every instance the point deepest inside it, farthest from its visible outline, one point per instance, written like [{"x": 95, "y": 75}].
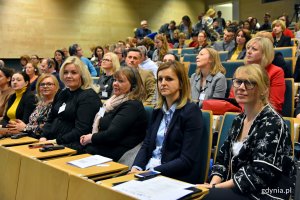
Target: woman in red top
[{"x": 260, "y": 51}]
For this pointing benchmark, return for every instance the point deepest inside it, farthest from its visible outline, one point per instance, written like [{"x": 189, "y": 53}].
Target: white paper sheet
[
  {"x": 156, "y": 188},
  {"x": 89, "y": 161}
]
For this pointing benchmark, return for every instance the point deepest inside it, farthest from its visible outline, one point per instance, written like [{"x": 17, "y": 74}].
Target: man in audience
[
  {"x": 143, "y": 31},
  {"x": 220, "y": 20},
  {"x": 66, "y": 52},
  {"x": 121, "y": 53},
  {"x": 267, "y": 26},
  {"x": 133, "y": 59},
  {"x": 228, "y": 42},
  {"x": 198, "y": 26},
  {"x": 168, "y": 29},
  {"x": 76, "y": 50},
  {"x": 147, "y": 63},
  {"x": 48, "y": 66}
]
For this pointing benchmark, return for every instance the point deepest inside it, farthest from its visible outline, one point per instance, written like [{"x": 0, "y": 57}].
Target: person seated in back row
[{"x": 257, "y": 153}]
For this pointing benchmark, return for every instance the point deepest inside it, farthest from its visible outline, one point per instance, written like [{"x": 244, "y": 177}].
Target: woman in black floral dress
[
  {"x": 46, "y": 87},
  {"x": 255, "y": 161}
]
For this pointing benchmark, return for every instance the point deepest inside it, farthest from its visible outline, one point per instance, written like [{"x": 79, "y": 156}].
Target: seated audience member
[
  {"x": 202, "y": 40},
  {"x": 217, "y": 28},
  {"x": 260, "y": 51},
  {"x": 73, "y": 110},
  {"x": 2, "y": 64},
  {"x": 198, "y": 26},
  {"x": 143, "y": 31},
  {"x": 176, "y": 36},
  {"x": 48, "y": 66},
  {"x": 228, "y": 42},
  {"x": 168, "y": 29},
  {"x": 33, "y": 72},
  {"x": 287, "y": 31},
  {"x": 186, "y": 26},
  {"x": 76, "y": 50},
  {"x": 147, "y": 63},
  {"x": 59, "y": 58},
  {"x": 194, "y": 43},
  {"x": 220, "y": 20},
  {"x": 241, "y": 39},
  {"x": 170, "y": 57},
  {"x": 110, "y": 64},
  {"x": 97, "y": 59},
  {"x": 181, "y": 43},
  {"x": 278, "y": 57},
  {"x": 133, "y": 59},
  {"x": 172, "y": 142},
  {"x": 266, "y": 26},
  {"x": 5, "y": 87},
  {"x": 46, "y": 87},
  {"x": 23, "y": 61},
  {"x": 162, "y": 47},
  {"x": 257, "y": 153},
  {"x": 209, "y": 80},
  {"x": 66, "y": 52},
  {"x": 121, "y": 53},
  {"x": 20, "y": 104},
  {"x": 123, "y": 123},
  {"x": 35, "y": 60},
  {"x": 280, "y": 40}
]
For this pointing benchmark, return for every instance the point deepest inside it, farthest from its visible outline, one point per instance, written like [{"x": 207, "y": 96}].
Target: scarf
[{"x": 109, "y": 105}]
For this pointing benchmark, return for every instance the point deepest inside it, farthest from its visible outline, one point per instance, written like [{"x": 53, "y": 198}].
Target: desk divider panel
[
  {"x": 10, "y": 164},
  {"x": 40, "y": 181}
]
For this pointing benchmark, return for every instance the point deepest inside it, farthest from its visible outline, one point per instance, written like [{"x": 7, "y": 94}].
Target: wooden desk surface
[
  {"x": 14, "y": 142},
  {"x": 108, "y": 168},
  {"x": 35, "y": 153}
]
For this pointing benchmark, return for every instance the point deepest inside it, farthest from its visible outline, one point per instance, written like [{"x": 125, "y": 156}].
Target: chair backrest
[
  {"x": 231, "y": 66},
  {"x": 192, "y": 69},
  {"x": 175, "y": 51},
  {"x": 188, "y": 51},
  {"x": 223, "y": 55},
  {"x": 224, "y": 130},
  {"x": 289, "y": 65},
  {"x": 189, "y": 58},
  {"x": 206, "y": 142},
  {"x": 289, "y": 97},
  {"x": 287, "y": 52},
  {"x": 229, "y": 84}
]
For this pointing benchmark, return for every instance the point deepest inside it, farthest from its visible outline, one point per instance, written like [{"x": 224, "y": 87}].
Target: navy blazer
[{"x": 180, "y": 151}]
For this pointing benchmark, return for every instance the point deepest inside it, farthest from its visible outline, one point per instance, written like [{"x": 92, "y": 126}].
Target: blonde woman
[
  {"x": 209, "y": 80},
  {"x": 110, "y": 64},
  {"x": 74, "y": 109}
]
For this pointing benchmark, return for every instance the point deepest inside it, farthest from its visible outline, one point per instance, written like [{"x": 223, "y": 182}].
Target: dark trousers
[{"x": 224, "y": 193}]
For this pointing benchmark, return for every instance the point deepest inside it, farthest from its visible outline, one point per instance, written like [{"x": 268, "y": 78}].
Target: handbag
[{"x": 221, "y": 105}]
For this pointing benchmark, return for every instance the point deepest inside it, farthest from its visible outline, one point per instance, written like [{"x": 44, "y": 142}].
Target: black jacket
[
  {"x": 25, "y": 108},
  {"x": 284, "y": 41},
  {"x": 76, "y": 119},
  {"x": 120, "y": 130},
  {"x": 180, "y": 150}
]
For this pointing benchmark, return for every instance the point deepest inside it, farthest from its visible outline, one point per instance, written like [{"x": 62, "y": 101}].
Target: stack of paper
[
  {"x": 89, "y": 161},
  {"x": 156, "y": 188}
]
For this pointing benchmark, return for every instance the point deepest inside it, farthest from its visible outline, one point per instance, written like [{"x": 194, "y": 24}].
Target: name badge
[
  {"x": 104, "y": 94},
  {"x": 202, "y": 97},
  {"x": 62, "y": 108},
  {"x": 101, "y": 111}
]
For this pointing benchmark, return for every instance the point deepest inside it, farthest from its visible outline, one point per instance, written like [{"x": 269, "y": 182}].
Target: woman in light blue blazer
[{"x": 209, "y": 80}]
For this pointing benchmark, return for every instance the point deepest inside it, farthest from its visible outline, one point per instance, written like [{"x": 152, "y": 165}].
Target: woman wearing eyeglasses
[
  {"x": 46, "y": 87},
  {"x": 110, "y": 64},
  {"x": 257, "y": 154}
]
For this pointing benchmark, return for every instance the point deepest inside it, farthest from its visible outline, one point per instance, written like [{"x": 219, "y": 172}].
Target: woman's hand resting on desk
[
  {"x": 43, "y": 139},
  {"x": 133, "y": 170},
  {"x": 86, "y": 139},
  {"x": 206, "y": 185},
  {"x": 16, "y": 124}
]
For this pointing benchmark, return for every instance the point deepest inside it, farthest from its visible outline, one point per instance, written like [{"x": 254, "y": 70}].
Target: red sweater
[{"x": 277, "y": 87}]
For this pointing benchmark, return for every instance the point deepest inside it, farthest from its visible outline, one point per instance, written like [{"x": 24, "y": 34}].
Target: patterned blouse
[
  {"x": 263, "y": 160},
  {"x": 38, "y": 118}
]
